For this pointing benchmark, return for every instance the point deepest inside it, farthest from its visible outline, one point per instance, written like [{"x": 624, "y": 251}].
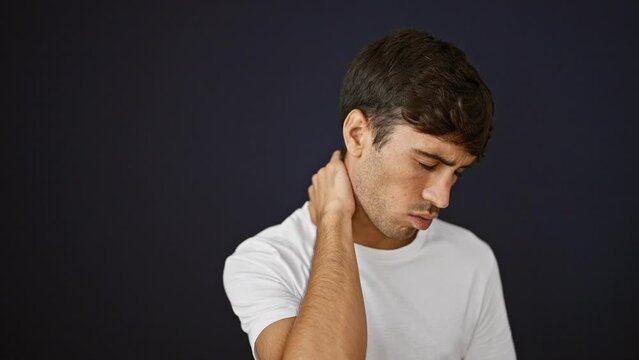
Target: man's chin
[{"x": 405, "y": 233}]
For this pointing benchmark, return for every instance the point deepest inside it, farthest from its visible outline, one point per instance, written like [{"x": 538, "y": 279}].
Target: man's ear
[{"x": 356, "y": 132}]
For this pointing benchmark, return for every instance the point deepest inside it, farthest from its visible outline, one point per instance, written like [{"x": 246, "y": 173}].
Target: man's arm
[
  {"x": 331, "y": 323},
  {"x": 270, "y": 343}
]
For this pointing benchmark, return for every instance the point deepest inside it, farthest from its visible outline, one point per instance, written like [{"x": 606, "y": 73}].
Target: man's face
[{"x": 396, "y": 189}]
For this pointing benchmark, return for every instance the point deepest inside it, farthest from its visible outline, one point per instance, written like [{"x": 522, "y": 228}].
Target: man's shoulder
[
  {"x": 461, "y": 242},
  {"x": 288, "y": 240}
]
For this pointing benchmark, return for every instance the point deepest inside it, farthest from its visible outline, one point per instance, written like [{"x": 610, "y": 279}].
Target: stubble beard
[{"x": 367, "y": 190}]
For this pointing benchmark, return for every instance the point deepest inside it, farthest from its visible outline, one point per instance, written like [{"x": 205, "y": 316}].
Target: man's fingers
[
  {"x": 312, "y": 213},
  {"x": 335, "y": 156},
  {"x": 311, "y": 207}
]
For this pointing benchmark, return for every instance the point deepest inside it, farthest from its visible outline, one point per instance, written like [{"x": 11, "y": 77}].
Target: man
[{"x": 365, "y": 269}]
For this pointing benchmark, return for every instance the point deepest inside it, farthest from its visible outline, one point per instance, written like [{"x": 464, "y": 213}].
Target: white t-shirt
[{"x": 439, "y": 297}]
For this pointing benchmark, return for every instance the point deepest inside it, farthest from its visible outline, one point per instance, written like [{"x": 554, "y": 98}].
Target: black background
[{"x": 142, "y": 143}]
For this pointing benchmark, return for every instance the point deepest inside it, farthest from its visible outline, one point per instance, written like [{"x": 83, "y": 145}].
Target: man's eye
[{"x": 427, "y": 167}]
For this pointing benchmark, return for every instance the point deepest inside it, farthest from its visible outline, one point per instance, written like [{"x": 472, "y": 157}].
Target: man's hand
[{"x": 331, "y": 191}]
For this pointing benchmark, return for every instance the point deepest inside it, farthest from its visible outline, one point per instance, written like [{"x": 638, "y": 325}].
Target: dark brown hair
[{"x": 412, "y": 78}]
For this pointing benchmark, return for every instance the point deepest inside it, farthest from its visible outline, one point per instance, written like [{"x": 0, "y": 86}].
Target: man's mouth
[
  {"x": 421, "y": 222},
  {"x": 426, "y": 216}
]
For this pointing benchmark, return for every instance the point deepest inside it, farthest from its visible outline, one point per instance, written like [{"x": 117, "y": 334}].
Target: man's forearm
[{"x": 331, "y": 323}]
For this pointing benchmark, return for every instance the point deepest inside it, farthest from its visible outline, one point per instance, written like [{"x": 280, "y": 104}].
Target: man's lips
[
  {"x": 421, "y": 222},
  {"x": 425, "y": 216}
]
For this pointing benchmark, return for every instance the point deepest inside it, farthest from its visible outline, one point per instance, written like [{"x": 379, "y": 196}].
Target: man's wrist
[{"x": 334, "y": 217}]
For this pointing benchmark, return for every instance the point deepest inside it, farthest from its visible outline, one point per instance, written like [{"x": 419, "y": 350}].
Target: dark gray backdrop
[{"x": 141, "y": 143}]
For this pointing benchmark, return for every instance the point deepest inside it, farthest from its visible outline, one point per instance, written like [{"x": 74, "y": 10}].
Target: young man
[{"x": 365, "y": 269}]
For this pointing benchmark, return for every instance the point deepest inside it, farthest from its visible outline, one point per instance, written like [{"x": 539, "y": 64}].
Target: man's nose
[{"x": 437, "y": 191}]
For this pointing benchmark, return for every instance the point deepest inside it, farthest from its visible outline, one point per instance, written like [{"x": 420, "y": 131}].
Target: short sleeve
[
  {"x": 492, "y": 338},
  {"x": 256, "y": 283}
]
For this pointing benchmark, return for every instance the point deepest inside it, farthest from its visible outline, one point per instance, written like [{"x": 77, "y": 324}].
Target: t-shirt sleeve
[
  {"x": 257, "y": 284},
  {"x": 492, "y": 339}
]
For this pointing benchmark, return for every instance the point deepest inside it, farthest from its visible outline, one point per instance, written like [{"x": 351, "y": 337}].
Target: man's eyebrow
[{"x": 441, "y": 159}]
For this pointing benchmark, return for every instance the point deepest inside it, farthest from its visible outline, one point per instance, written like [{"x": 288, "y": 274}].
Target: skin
[
  {"x": 391, "y": 184},
  {"x": 367, "y": 199}
]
